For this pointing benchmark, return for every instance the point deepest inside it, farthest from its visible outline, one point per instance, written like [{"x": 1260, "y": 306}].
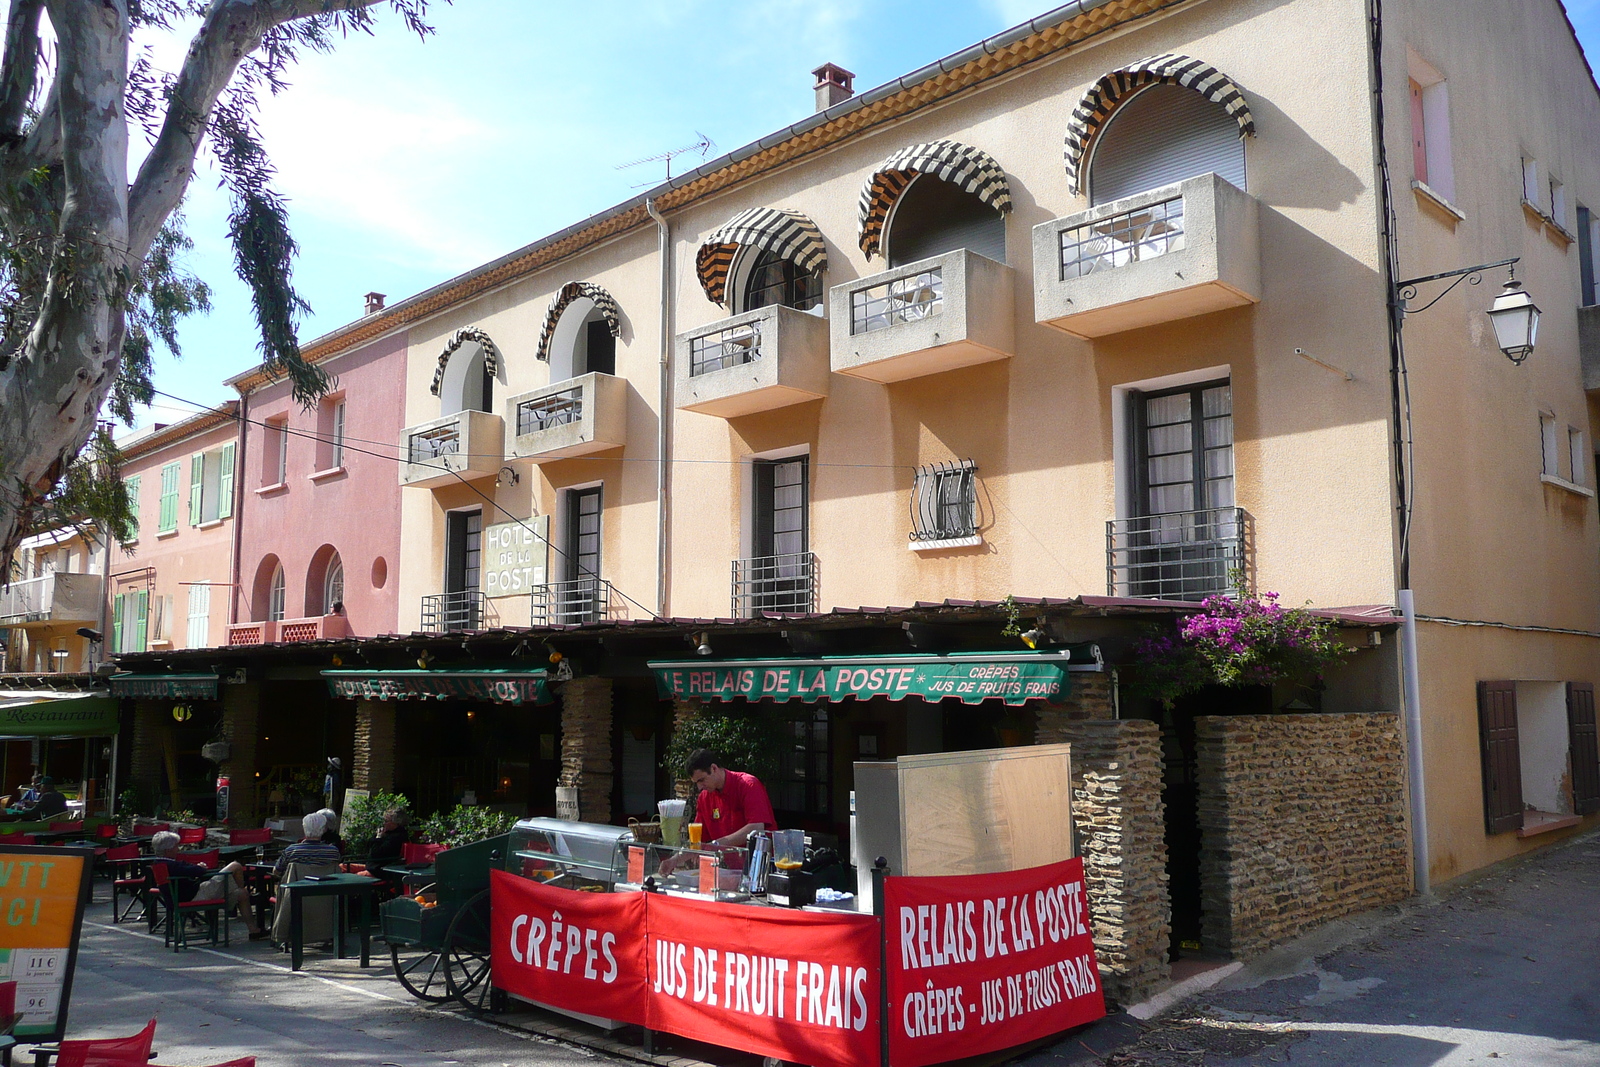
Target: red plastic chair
[
  {"x": 126, "y": 878},
  {"x": 108, "y": 1051},
  {"x": 9, "y": 1017},
  {"x": 17, "y": 839},
  {"x": 210, "y": 858},
  {"x": 191, "y": 835},
  {"x": 412, "y": 855},
  {"x": 249, "y": 837},
  {"x": 106, "y": 830},
  {"x": 179, "y": 912},
  {"x": 73, "y": 827}
]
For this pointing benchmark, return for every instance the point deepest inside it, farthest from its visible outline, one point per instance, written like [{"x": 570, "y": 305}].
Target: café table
[{"x": 342, "y": 887}]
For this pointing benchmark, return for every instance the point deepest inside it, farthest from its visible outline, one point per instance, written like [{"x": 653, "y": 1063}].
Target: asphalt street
[
  {"x": 212, "y": 1005},
  {"x": 1505, "y": 969}
]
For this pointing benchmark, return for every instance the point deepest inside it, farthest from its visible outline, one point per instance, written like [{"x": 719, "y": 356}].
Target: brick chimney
[
  {"x": 374, "y": 303},
  {"x": 834, "y": 84}
]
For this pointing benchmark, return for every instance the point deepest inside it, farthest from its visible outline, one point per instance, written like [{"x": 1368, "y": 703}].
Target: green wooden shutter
[
  {"x": 117, "y": 604},
  {"x": 141, "y": 624},
  {"x": 225, "y": 483},
  {"x": 132, "y": 485},
  {"x": 169, "y": 498},
  {"x": 197, "y": 486}
]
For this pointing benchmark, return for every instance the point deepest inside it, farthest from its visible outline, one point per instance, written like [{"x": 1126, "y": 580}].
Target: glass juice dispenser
[{"x": 788, "y": 884}]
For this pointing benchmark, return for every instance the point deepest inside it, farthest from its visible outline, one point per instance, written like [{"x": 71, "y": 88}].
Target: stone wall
[
  {"x": 372, "y": 767},
  {"x": 1090, "y": 698},
  {"x": 586, "y": 745},
  {"x": 1302, "y": 820},
  {"x": 1121, "y": 827}
]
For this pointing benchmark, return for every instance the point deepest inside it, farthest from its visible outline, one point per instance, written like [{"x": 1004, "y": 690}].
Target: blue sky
[{"x": 408, "y": 162}]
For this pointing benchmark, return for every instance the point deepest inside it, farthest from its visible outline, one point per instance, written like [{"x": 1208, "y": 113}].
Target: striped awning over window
[
  {"x": 787, "y": 234},
  {"x": 1104, "y": 95},
  {"x": 491, "y": 354},
  {"x": 604, "y": 301},
  {"x": 972, "y": 169}
]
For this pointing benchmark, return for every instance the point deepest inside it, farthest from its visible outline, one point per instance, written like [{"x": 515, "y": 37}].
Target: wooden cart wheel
[
  {"x": 466, "y": 955},
  {"x": 421, "y": 970}
]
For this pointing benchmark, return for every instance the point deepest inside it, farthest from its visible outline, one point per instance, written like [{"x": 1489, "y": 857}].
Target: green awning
[
  {"x": 57, "y": 714},
  {"x": 494, "y": 685},
  {"x": 971, "y": 677},
  {"x": 165, "y": 686}
]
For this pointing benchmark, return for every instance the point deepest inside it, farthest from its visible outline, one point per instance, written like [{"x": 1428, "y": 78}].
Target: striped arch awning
[
  {"x": 1102, "y": 99},
  {"x": 784, "y": 233},
  {"x": 491, "y": 354},
  {"x": 972, "y": 169},
  {"x": 565, "y": 296}
]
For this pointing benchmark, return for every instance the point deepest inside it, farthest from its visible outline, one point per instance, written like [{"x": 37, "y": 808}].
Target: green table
[{"x": 342, "y": 887}]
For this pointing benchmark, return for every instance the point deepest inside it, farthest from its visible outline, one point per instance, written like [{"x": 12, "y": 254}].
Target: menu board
[{"x": 43, "y": 892}]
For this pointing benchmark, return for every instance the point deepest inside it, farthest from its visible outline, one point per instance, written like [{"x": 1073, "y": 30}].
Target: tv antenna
[{"x": 704, "y": 145}]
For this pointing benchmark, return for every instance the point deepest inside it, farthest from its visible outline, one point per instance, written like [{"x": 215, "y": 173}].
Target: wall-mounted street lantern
[{"x": 1513, "y": 314}]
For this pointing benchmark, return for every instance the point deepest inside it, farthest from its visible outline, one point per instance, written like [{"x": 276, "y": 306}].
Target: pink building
[
  {"x": 168, "y": 588},
  {"x": 320, "y": 512}
]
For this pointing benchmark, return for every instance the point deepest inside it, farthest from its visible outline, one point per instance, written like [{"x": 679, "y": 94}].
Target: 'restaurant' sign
[
  {"x": 797, "y": 986},
  {"x": 931, "y": 678},
  {"x": 979, "y": 963},
  {"x": 492, "y": 687}
]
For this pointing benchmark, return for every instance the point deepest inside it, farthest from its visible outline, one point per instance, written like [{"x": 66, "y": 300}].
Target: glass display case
[
  {"x": 572, "y": 855},
  {"x": 682, "y": 870}
]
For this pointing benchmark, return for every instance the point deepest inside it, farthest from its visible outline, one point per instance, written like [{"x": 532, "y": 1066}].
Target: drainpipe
[
  {"x": 239, "y": 467},
  {"x": 664, "y": 416}
]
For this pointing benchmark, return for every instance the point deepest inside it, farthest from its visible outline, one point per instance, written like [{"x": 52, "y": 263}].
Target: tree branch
[
  {"x": 231, "y": 30},
  {"x": 20, "y": 71}
]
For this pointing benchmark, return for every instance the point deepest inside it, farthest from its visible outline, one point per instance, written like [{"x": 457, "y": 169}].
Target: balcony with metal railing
[
  {"x": 1165, "y": 255},
  {"x": 953, "y": 310},
  {"x": 64, "y": 596},
  {"x": 574, "y": 417},
  {"x": 466, "y": 445},
  {"x": 571, "y": 603},
  {"x": 463, "y": 609},
  {"x": 784, "y": 583},
  {"x": 756, "y": 361},
  {"x": 1183, "y": 555}
]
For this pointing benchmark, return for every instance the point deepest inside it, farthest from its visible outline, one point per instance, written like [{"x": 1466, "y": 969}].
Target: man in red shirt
[{"x": 731, "y": 806}]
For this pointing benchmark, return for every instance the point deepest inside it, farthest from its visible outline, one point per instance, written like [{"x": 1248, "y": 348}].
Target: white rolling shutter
[{"x": 1163, "y": 135}]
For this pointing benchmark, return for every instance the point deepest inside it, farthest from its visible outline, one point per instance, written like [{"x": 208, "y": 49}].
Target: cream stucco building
[{"x": 1124, "y": 330}]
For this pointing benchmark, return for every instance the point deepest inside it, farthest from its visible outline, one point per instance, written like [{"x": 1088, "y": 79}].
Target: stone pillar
[
  {"x": 1090, "y": 699},
  {"x": 372, "y": 768},
  {"x": 241, "y": 713},
  {"x": 145, "y": 771},
  {"x": 1121, "y": 829},
  {"x": 586, "y": 745}
]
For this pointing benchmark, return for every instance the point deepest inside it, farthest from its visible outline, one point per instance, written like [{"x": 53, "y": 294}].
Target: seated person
[
  {"x": 29, "y": 793},
  {"x": 50, "y": 802},
  {"x": 331, "y": 834},
  {"x": 388, "y": 848},
  {"x": 193, "y": 882},
  {"x": 311, "y": 849}
]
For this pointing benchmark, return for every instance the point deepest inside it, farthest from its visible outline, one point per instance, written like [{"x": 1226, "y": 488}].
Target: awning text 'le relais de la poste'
[
  {"x": 971, "y": 677},
  {"x": 493, "y": 685}
]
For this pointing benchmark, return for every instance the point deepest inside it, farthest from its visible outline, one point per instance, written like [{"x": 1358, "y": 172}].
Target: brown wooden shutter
[
  {"x": 1502, "y": 759},
  {"x": 1585, "y": 746}
]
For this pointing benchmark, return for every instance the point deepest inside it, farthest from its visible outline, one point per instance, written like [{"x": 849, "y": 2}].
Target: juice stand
[{"x": 722, "y": 946}]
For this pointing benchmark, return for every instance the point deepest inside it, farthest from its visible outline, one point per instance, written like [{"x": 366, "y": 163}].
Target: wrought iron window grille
[
  {"x": 571, "y": 603},
  {"x": 433, "y": 444},
  {"x": 1181, "y": 555},
  {"x": 553, "y": 409},
  {"x": 944, "y": 501},
  {"x": 463, "y": 609},
  {"x": 784, "y": 583},
  {"x": 1117, "y": 240},
  {"x": 908, "y": 299}
]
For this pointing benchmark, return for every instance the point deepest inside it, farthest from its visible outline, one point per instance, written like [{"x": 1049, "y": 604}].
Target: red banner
[
  {"x": 584, "y": 952},
  {"x": 979, "y": 963},
  {"x": 800, "y": 986}
]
